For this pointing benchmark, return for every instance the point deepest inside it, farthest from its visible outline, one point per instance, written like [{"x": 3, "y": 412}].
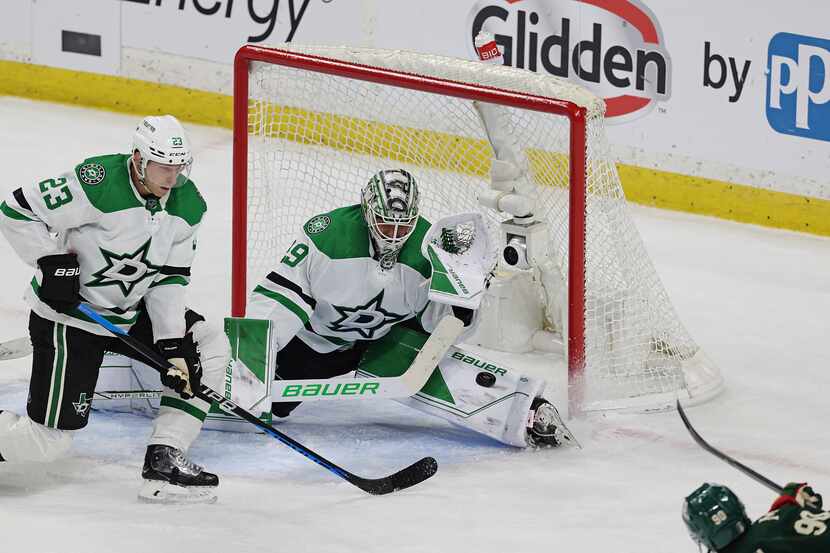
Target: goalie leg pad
[
  {"x": 23, "y": 440},
  {"x": 465, "y": 389},
  {"x": 474, "y": 393}
]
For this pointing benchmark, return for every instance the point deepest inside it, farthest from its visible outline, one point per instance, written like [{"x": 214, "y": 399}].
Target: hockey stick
[
  {"x": 365, "y": 388},
  {"x": 409, "y": 476},
  {"x": 406, "y": 385},
  {"x": 311, "y": 389},
  {"x": 723, "y": 456},
  {"x": 112, "y": 395},
  {"x": 15, "y": 349}
]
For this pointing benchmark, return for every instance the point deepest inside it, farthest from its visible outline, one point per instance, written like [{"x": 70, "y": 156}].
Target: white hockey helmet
[
  {"x": 390, "y": 207},
  {"x": 162, "y": 139}
]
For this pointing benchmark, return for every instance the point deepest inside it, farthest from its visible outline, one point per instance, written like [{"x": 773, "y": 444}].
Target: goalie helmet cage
[{"x": 312, "y": 124}]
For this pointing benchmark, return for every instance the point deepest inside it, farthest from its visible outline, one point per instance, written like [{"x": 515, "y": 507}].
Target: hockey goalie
[{"x": 358, "y": 294}]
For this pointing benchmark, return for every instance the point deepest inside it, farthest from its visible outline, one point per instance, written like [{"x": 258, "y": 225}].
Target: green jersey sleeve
[{"x": 790, "y": 529}]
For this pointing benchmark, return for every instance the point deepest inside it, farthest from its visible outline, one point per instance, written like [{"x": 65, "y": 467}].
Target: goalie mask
[
  {"x": 390, "y": 207},
  {"x": 714, "y": 516},
  {"x": 162, "y": 139}
]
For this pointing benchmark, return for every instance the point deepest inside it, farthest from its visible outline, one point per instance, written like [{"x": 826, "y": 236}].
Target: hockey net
[{"x": 312, "y": 124}]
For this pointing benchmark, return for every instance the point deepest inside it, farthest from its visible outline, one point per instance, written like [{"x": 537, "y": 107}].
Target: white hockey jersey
[
  {"x": 330, "y": 292},
  {"x": 129, "y": 248}
]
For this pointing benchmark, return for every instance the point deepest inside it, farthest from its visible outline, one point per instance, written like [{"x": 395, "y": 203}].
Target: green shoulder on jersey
[
  {"x": 790, "y": 529},
  {"x": 343, "y": 234},
  {"x": 106, "y": 182}
]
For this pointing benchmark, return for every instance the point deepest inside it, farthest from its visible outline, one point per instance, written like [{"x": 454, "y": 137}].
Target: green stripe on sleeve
[
  {"x": 12, "y": 214},
  {"x": 287, "y": 303},
  {"x": 182, "y": 405}
]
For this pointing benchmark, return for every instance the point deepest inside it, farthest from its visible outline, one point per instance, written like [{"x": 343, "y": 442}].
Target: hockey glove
[
  {"x": 61, "y": 285},
  {"x": 185, "y": 375},
  {"x": 800, "y": 494}
]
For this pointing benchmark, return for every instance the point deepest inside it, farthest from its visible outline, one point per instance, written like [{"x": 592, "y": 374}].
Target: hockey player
[
  {"x": 795, "y": 523},
  {"x": 353, "y": 274},
  {"x": 119, "y": 233}
]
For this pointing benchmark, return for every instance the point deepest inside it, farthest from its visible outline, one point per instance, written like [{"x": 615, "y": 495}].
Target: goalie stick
[
  {"x": 364, "y": 388},
  {"x": 404, "y": 478},
  {"x": 723, "y": 456}
]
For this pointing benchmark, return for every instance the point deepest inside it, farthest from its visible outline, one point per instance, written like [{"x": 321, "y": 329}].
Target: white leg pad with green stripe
[
  {"x": 23, "y": 440},
  {"x": 466, "y": 390}
]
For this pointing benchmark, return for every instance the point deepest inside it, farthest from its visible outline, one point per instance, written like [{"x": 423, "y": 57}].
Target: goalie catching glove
[
  {"x": 185, "y": 375},
  {"x": 462, "y": 258}
]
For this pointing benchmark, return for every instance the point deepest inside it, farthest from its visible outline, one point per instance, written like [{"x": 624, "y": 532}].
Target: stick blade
[{"x": 414, "y": 474}]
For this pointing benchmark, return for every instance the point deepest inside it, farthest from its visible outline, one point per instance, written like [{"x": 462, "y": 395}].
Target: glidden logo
[{"x": 613, "y": 47}]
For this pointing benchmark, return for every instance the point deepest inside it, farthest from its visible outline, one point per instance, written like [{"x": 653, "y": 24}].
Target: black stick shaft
[
  {"x": 409, "y": 476},
  {"x": 723, "y": 456}
]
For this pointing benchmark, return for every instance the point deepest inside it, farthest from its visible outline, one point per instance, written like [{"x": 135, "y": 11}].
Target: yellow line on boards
[{"x": 644, "y": 186}]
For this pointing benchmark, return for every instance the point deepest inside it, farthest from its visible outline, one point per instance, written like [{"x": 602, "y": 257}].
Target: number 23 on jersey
[{"x": 55, "y": 192}]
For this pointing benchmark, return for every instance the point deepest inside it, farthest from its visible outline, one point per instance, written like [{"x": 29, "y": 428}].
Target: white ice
[{"x": 757, "y": 300}]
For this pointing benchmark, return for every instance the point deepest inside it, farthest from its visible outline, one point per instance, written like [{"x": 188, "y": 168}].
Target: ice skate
[
  {"x": 169, "y": 477},
  {"x": 545, "y": 427}
]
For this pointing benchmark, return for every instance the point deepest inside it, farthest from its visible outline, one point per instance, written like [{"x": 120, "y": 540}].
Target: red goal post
[{"x": 576, "y": 115}]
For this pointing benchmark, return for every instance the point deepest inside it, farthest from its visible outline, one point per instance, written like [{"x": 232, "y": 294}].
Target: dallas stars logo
[
  {"x": 124, "y": 271},
  {"x": 82, "y": 405},
  {"x": 318, "y": 224},
  {"x": 365, "y": 319},
  {"x": 92, "y": 173}
]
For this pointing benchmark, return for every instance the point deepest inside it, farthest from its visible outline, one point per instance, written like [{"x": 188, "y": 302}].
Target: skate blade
[
  {"x": 158, "y": 491},
  {"x": 567, "y": 437}
]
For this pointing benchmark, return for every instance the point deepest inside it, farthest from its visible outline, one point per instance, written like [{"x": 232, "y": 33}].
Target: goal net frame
[{"x": 577, "y": 116}]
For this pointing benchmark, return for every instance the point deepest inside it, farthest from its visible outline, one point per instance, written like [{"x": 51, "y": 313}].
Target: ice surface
[{"x": 757, "y": 300}]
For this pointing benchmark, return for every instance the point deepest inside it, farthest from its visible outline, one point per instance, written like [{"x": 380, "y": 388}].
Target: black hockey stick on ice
[
  {"x": 723, "y": 456},
  {"x": 409, "y": 476}
]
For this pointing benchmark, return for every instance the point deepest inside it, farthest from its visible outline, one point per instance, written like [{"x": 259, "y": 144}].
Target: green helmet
[{"x": 714, "y": 516}]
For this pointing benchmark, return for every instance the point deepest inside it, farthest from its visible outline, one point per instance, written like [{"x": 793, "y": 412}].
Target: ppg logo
[{"x": 798, "y": 86}]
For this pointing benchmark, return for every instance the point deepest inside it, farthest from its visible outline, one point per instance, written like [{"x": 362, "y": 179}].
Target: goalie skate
[
  {"x": 545, "y": 427},
  {"x": 169, "y": 477}
]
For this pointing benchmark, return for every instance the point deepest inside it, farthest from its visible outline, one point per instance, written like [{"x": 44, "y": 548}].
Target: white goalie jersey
[{"x": 329, "y": 291}]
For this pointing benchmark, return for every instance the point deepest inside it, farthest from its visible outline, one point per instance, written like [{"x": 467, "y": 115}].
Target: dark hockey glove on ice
[
  {"x": 185, "y": 376},
  {"x": 799, "y": 494},
  {"x": 61, "y": 284}
]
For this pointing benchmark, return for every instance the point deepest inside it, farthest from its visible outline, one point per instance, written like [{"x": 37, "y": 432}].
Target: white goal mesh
[{"x": 314, "y": 139}]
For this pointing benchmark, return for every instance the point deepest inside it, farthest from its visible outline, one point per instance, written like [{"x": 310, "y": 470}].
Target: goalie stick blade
[
  {"x": 15, "y": 349},
  {"x": 723, "y": 456},
  {"x": 415, "y": 473}
]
